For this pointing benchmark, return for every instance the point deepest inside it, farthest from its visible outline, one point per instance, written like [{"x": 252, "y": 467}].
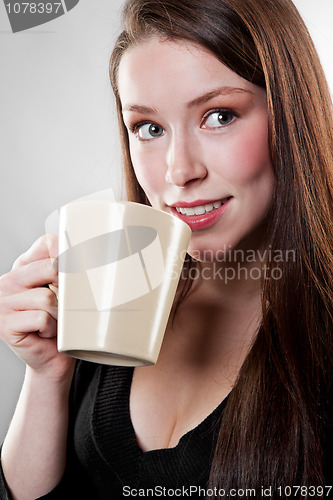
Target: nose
[{"x": 184, "y": 161}]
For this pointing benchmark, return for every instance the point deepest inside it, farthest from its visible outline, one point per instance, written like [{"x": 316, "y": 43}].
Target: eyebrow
[
  {"x": 225, "y": 90},
  {"x": 215, "y": 93}
]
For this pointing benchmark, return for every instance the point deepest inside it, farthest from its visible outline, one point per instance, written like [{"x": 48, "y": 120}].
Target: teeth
[
  {"x": 190, "y": 211},
  {"x": 201, "y": 209}
]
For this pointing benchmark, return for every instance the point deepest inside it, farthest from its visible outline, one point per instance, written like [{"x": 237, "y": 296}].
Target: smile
[
  {"x": 201, "y": 215},
  {"x": 201, "y": 209}
]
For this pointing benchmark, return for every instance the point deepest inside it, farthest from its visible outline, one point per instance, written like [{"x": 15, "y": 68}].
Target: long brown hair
[{"x": 273, "y": 428}]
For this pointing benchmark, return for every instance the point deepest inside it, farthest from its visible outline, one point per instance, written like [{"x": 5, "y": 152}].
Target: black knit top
[
  {"x": 104, "y": 460},
  {"x": 106, "y": 463}
]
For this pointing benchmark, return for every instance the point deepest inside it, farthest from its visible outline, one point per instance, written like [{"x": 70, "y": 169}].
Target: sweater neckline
[{"x": 115, "y": 437}]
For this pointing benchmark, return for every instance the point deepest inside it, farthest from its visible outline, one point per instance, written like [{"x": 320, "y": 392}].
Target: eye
[
  {"x": 147, "y": 131},
  {"x": 218, "y": 119}
]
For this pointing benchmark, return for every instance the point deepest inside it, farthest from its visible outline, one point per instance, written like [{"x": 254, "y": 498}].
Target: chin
[
  {"x": 205, "y": 249},
  {"x": 209, "y": 253}
]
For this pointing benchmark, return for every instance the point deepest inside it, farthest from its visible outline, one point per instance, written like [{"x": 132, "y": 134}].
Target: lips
[{"x": 201, "y": 214}]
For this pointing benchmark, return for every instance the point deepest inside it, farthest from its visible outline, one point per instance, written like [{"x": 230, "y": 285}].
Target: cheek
[
  {"x": 147, "y": 169},
  {"x": 251, "y": 156},
  {"x": 245, "y": 156}
]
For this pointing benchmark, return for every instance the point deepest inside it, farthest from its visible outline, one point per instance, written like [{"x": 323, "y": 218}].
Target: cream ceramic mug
[{"x": 119, "y": 266}]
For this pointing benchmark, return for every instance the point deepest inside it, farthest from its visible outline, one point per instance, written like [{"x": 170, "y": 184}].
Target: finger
[
  {"x": 36, "y": 299},
  {"x": 32, "y": 275},
  {"x": 17, "y": 326},
  {"x": 46, "y": 246}
]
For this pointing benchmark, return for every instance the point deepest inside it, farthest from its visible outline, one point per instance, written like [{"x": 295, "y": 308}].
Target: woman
[{"x": 226, "y": 122}]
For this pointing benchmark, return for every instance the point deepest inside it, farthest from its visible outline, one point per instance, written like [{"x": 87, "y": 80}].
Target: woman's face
[{"x": 198, "y": 139}]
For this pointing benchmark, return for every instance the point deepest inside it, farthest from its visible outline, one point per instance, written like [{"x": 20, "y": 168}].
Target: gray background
[{"x": 58, "y": 132}]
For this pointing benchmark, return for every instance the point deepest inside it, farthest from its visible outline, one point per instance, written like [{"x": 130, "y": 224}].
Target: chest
[{"x": 163, "y": 408}]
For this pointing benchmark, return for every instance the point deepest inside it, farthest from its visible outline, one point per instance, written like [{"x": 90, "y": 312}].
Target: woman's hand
[{"x": 29, "y": 309}]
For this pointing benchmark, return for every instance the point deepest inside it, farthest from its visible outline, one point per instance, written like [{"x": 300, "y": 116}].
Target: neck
[
  {"x": 233, "y": 279},
  {"x": 219, "y": 318},
  {"x": 234, "y": 275}
]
